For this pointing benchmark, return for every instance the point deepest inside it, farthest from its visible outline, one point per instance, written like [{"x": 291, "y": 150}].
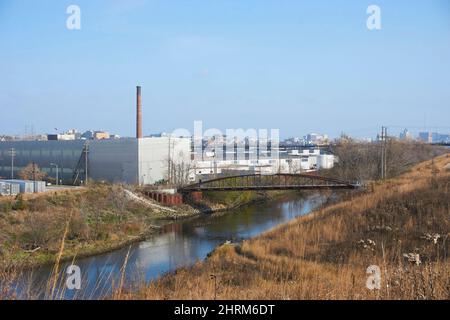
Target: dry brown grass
[
  {"x": 94, "y": 220},
  {"x": 325, "y": 255}
]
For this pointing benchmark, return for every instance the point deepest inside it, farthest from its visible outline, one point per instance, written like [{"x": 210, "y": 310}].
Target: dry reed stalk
[
  {"x": 122, "y": 276},
  {"x": 55, "y": 271}
]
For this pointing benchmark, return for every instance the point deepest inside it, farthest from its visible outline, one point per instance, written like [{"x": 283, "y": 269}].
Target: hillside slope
[{"x": 400, "y": 226}]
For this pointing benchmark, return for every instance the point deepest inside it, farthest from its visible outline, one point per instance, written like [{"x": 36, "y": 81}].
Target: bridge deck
[
  {"x": 256, "y": 188},
  {"x": 269, "y": 182}
]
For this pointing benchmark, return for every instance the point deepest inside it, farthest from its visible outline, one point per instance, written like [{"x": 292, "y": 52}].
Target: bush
[
  {"x": 38, "y": 204},
  {"x": 38, "y": 231},
  {"x": 20, "y": 204},
  {"x": 6, "y": 206},
  {"x": 78, "y": 228}
]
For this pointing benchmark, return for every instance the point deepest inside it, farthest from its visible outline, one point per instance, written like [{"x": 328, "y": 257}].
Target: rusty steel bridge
[{"x": 279, "y": 181}]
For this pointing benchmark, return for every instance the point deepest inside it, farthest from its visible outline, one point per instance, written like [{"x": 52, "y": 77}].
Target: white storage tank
[{"x": 325, "y": 161}]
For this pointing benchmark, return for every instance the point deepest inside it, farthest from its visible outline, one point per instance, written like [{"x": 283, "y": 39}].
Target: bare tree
[
  {"x": 362, "y": 161},
  {"x": 32, "y": 172},
  {"x": 178, "y": 173}
]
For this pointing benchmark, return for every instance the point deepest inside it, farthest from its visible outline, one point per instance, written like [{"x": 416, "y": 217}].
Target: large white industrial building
[
  {"x": 128, "y": 160},
  {"x": 295, "y": 161},
  {"x": 137, "y": 161},
  {"x": 144, "y": 160}
]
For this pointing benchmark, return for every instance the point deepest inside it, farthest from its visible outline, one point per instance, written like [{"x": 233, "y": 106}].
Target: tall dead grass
[{"x": 402, "y": 227}]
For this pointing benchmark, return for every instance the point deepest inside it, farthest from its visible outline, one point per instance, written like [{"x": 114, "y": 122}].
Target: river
[{"x": 177, "y": 245}]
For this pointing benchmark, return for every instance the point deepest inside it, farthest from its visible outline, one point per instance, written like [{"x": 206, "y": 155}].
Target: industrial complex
[
  {"x": 136, "y": 160},
  {"x": 141, "y": 160}
]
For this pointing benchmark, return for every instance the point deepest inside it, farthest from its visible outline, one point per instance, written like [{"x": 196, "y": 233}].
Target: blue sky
[{"x": 300, "y": 66}]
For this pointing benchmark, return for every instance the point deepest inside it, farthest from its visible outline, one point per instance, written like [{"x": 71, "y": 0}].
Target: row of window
[{"x": 41, "y": 153}]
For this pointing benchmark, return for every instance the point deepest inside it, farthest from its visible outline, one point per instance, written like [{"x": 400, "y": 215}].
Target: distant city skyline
[
  {"x": 311, "y": 137},
  {"x": 294, "y": 66}
]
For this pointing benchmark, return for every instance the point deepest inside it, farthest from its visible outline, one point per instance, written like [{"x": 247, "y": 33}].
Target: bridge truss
[{"x": 269, "y": 182}]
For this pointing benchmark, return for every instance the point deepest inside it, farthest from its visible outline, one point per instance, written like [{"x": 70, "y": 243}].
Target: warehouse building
[
  {"x": 16, "y": 155},
  {"x": 136, "y": 160},
  {"x": 294, "y": 162},
  {"x": 127, "y": 160}
]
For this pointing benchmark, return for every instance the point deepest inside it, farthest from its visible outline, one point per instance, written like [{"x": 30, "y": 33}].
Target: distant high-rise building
[
  {"x": 315, "y": 138},
  {"x": 426, "y": 137},
  {"x": 405, "y": 135},
  {"x": 440, "y": 138},
  {"x": 434, "y": 137}
]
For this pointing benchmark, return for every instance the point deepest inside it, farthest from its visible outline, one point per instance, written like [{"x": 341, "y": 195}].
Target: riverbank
[
  {"x": 95, "y": 220},
  {"x": 179, "y": 243},
  {"x": 400, "y": 228}
]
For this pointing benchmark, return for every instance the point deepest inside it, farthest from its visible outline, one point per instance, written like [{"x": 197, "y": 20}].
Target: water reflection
[{"x": 177, "y": 245}]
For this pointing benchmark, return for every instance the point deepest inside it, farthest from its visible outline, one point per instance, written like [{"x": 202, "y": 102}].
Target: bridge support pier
[
  {"x": 167, "y": 199},
  {"x": 195, "y": 196}
]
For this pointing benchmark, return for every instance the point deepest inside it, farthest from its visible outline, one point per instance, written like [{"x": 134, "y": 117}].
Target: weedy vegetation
[{"x": 401, "y": 225}]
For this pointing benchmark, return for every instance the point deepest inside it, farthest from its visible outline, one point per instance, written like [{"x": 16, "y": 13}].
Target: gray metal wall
[
  {"x": 64, "y": 153},
  {"x": 128, "y": 160},
  {"x": 114, "y": 160}
]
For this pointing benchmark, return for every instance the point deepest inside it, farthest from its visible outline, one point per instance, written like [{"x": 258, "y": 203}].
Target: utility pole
[
  {"x": 86, "y": 152},
  {"x": 57, "y": 172},
  {"x": 383, "y": 152},
  {"x": 34, "y": 177},
  {"x": 13, "y": 154},
  {"x": 169, "y": 165}
]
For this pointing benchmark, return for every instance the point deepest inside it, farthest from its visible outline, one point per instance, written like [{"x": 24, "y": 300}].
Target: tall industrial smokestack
[{"x": 138, "y": 113}]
